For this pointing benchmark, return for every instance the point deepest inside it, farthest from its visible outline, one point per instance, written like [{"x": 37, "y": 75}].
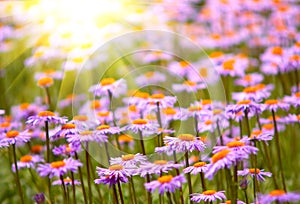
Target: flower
[
  {"x": 240, "y": 148},
  {"x": 126, "y": 139},
  {"x": 67, "y": 182},
  {"x": 86, "y": 136},
  {"x": 14, "y": 137},
  {"x": 259, "y": 173},
  {"x": 109, "y": 85},
  {"x": 106, "y": 129},
  {"x": 260, "y": 135},
  {"x": 184, "y": 142},
  {"x": 279, "y": 196},
  {"x": 66, "y": 129},
  {"x": 196, "y": 168},
  {"x": 255, "y": 93},
  {"x": 114, "y": 174},
  {"x": 45, "y": 116},
  {"x": 58, "y": 168},
  {"x": 45, "y": 82},
  {"x": 249, "y": 80},
  {"x": 150, "y": 78},
  {"x": 242, "y": 106},
  {"x": 71, "y": 100},
  {"x": 129, "y": 160},
  {"x": 39, "y": 198},
  {"x": 161, "y": 100},
  {"x": 293, "y": 100},
  {"x": 208, "y": 196},
  {"x": 157, "y": 167},
  {"x": 67, "y": 149},
  {"x": 28, "y": 161},
  {"x": 273, "y": 105},
  {"x": 140, "y": 125},
  {"x": 165, "y": 183},
  {"x": 188, "y": 86}
]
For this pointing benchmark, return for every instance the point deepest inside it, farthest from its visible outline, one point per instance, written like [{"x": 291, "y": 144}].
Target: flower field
[{"x": 170, "y": 101}]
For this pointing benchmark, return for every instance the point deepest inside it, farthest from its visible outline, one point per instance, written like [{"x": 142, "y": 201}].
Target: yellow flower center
[
  {"x": 12, "y": 134},
  {"x": 139, "y": 122},
  {"x": 186, "y": 137},
  {"x": 149, "y": 74},
  {"x": 244, "y": 102},
  {"x": 229, "y": 64},
  {"x": 57, "y": 164},
  {"x": 103, "y": 127},
  {"x": 203, "y": 72},
  {"x": 217, "y": 111},
  {"x": 216, "y": 54},
  {"x": 157, "y": 96},
  {"x": 209, "y": 192},
  {"x": 277, "y": 51},
  {"x": 127, "y": 157},
  {"x": 46, "y": 81},
  {"x": 24, "y": 106},
  {"x": 68, "y": 126},
  {"x": 80, "y": 118},
  {"x": 195, "y": 108},
  {"x": 78, "y": 59},
  {"x": 253, "y": 171},
  {"x": 277, "y": 193},
  {"x": 268, "y": 126},
  {"x": 235, "y": 144},
  {"x": 143, "y": 95},
  {"x": 215, "y": 36},
  {"x": 86, "y": 133},
  {"x": 46, "y": 113},
  {"x": 95, "y": 105},
  {"x": 107, "y": 81},
  {"x": 26, "y": 158},
  {"x": 271, "y": 102},
  {"x": 116, "y": 167},
  {"x": 184, "y": 64},
  {"x": 220, "y": 155},
  {"x": 125, "y": 138},
  {"x": 199, "y": 164},
  {"x": 189, "y": 83},
  {"x": 103, "y": 113},
  {"x": 169, "y": 111},
  {"x": 165, "y": 179},
  {"x": 160, "y": 162}
]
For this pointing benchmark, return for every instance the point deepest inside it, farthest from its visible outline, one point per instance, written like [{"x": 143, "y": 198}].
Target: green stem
[
  {"x": 235, "y": 184},
  {"x": 169, "y": 197},
  {"x": 278, "y": 150},
  {"x": 64, "y": 189},
  {"x": 178, "y": 173},
  {"x": 87, "y": 159},
  {"x": 142, "y": 142},
  {"x": 246, "y": 196},
  {"x": 202, "y": 181},
  {"x": 81, "y": 181},
  {"x": 120, "y": 192},
  {"x": 17, "y": 174},
  {"x": 48, "y": 159},
  {"x": 158, "y": 115},
  {"x": 73, "y": 188},
  {"x": 188, "y": 174},
  {"x": 48, "y": 98},
  {"x": 116, "y": 200},
  {"x": 133, "y": 189}
]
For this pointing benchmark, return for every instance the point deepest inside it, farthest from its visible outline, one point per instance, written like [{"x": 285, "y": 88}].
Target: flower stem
[
  {"x": 196, "y": 126},
  {"x": 133, "y": 189},
  {"x": 188, "y": 175},
  {"x": 64, "y": 189},
  {"x": 81, "y": 181},
  {"x": 158, "y": 115},
  {"x": 116, "y": 200},
  {"x": 235, "y": 184},
  {"x": 17, "y": 174},
  {"x": 120, "y": 192},
  {"x": 142, "y": 142},
  {"x": 246, "y": 196},
  {"x": 87, "y": 160},
  {"x": 178, "y": 173},
  {"x": 278, "y": 150},
  {"x": 48, "y": 158},
  {"x": 169, "y": 197},
  {"x": 48, "y": 98},
  {"x": 202, "y": 181},
  {"x": 73, "y": 188}
]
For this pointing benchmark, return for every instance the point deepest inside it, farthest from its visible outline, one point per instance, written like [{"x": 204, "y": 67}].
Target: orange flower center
[
  {"x": 95, "y": 105},
  {"x": 215, "y": 36},
  {"x": 209, "y": 192},
  {"x": 139, "y": 122},
  {"x": 46, "y": 81},
  {"x": 268, "y": 126},
  {"x": 250, "y": 89},
  {"x": 107, "y": 81},
  {"x": 67, "y": 180},
  {"x": 12, "y": 134},
  {"x": 189, "y": 83},
  {"x": 256, "y": 133},
  {"x": 253, "y": 171},
  {"x": 277, "y": 193},
  {"x": 36, "y": 149},
  {"x": 184, "y": 64},
  {"x": 277, "y": 51},
  {"x": 103, "y": 127},
  {"x": 229, "y": 65},
  {"x": 125, "y": 138},
  {"x": 24, "y": 106},
  {"x": 186, "y": 137},
  {"x": 5, "y": 125},
  {"x": 271, "y": 102},
  {"x": 68, "y": 126},
  {"x": 297, "y": 95},
  {"x": 127, "y": 157},
  {"x": 235, "y": 144},
  {"x": 46, "y": 113},
  {"x": 199, "y": 164},
  {"x": 203, "y": 72},
  {"x": 57, "y": 164},
  {"x": 103, "y": 113},
  {"x": 157, "y": 96},
  {"x": 160, "y": 162},
  {"x": 208, "y": 122},
  {"x": 26, "y": 158},
  {"x": 206, "y": 102},
  {"x": 116, "y": 167},
  {"x": 216, "y": 54},
  {"x": 220, "y": 155},
  {"x": 244, "y": 102},
  {"x": 143, "y": 95},
  {"x": 149, "y": 74},
  {"x": 165, "y": 179},
  {"x": 195, "y": 108},
  {"x": 248, "y": 78},
  {"x": 80, "y": 118},
  {"x": 132, "y": 108},
  {"x": 86, "y": 133},
  {"x": 169, "y": 111}
]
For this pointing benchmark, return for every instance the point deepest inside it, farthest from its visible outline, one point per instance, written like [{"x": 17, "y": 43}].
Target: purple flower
[
  {"x": 208, "y": 196},
  {"x": 45, "y": 116},
  {"x": 249, "y": 80},
  {"x": 14, "y": 137},
  {"x": 129, "y": 160},
  {"x": 67, "y": 150},
  {"x": 58, "y": 168},
  {"x": 279, "y": 196},
  {"x": 28, "y": 161},
  {"x": 239, "y": 147},
  {"x": 242, "y": 106},
  {"x": 196, "y": 168},
  {"x": 109, "y": 84},
  {"x": 72, "y": 100},
  {"x": 86, "y": 136},
  {"x": 140, "y": 125},
  {"x": 293, "y": 100},
  {"x": 273, "y": 105},
  {"x": 260, "y": 135},
  {"x": 255, "y": 93},
  {"x": 165, "y": 183},
  {"x": 184, "y": 142},
  {"x": 252, "y": 172},
  {"x": 157, "y": 167},
  {"x": 106, "y": 129},
  {"x": 162, "y": 100},
  {"x": 188, "y": 86},
  {"x": 67, "y": 182},
  {"x": 39, "y": 198},
  {"x": 66, "y": 129}
]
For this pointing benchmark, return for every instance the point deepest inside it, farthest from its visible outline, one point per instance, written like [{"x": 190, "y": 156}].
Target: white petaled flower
[{"x": 150, "y": 78}]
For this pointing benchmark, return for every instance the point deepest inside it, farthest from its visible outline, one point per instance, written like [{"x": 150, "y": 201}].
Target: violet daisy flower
[
  {"x": 162, "y": 100},
  {"x": 28, "y": 161},
  {"x": 273, "y": 105},
  {"x": 293, "y": 100},
  {"x": 184, "y": 142},
  {"x": 71, "y": 100},
  {"x": 239, "y": 147},
  {"x": 208, "y": 196},
  {"x": 237, "y": 202},
  {"x": 87, "y": 136},
  {"x": 45, "y": 116},
  {"x": 260, "y": 135},
  {"x": 196, "y": 168},
  {"x": 106, "y": 129},
  {"x": 279, "y": 196},
  {"x": 58, "y": 168},
  {"x": 126, "y": 140},
  {"x": 129, "y": 160},
  {"x": 140, "y": 125},
  {"x": 188, "y": 86},
  {"x": 67, "y": 182},
  {"x": 150, "y": 78},
  {"x": 259, "y": 173},
  {"x": 67, "y": 149},
  {"x": 66, "y": 129},
  {"x": 157, "y": 167},
  {"x": 244, "y": 105},
  {"x": 109, "y": 85},
  {"x": 114, "y": 174},
  {"x": 165, "y": 183},
  {"x": 25, "y": 110},
  {"x": 254, "y": 93},
  {"x": 249, "y": 80},
  {"x": 14, "y": 137}
]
